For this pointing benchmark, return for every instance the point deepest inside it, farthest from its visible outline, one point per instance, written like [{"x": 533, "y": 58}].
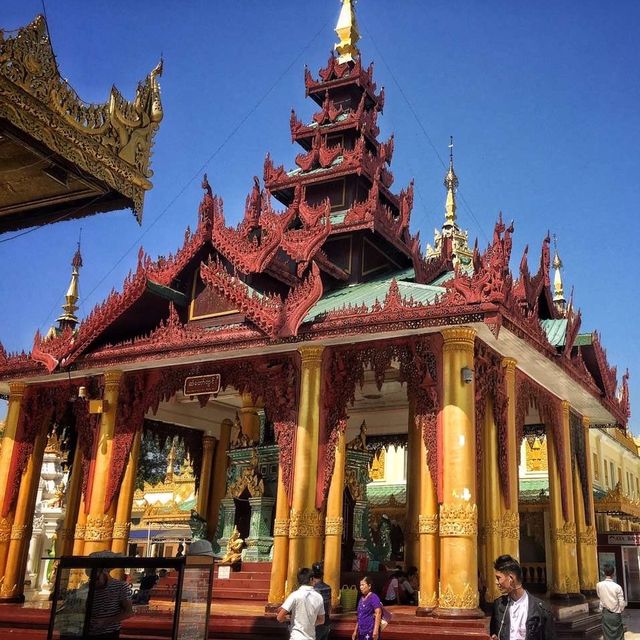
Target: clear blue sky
[{"x": 542, "y": 97}]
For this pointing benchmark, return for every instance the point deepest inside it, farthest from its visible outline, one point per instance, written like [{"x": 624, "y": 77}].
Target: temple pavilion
[{"x": 290, "y": 350}]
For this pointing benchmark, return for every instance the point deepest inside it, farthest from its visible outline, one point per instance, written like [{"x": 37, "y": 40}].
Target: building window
[
  {"x": 596, "y": 466},
  {"x": 637, "y": 487},
  {"x": 613, "y": 474},
  {"x": 619, "y": 476},
  {"x": 606, "y": 474}
]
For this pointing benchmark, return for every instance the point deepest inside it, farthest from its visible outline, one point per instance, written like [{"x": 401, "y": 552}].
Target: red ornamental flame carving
[
  {"x": 302, "y": 244},
  {"x": 269, "y": 312},
  {"x": 319, "y": 155},
  {"x": 625, "y": 402},
  {"x": 608, "y": 374},
  {"x": 574, "y": 320},
  {"x": 273, "y": 174},
  {"x": 312, "y": 214},
  {"x": 329, "y": 111}
]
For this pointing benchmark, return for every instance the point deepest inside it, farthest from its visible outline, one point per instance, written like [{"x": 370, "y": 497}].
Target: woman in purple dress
[{"x": 369, "y": 613}]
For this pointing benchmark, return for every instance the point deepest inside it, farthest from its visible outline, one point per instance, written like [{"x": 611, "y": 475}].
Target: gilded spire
[
  {"x": 68, "y": 318},
  {"x": 558, "y": 287},
  {"x": 347, "y": 30},
  {"x": 462, "y": 254},
  {"x": 451, "y": 184}
]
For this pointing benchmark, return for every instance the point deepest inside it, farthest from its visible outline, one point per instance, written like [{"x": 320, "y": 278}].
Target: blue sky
[{"x": 542, "y": 98}]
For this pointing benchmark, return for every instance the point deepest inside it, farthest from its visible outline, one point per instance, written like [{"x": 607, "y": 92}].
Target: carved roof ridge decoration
[
  {"x": 339, "y": 74},
  {"x": 615, "y": 501},
  {"x": 111, "y": 141}
]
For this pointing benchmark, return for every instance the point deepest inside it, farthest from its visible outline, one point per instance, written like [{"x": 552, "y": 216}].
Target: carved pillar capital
[
  {"x": 458, "y": 338},
  {"x": 311, "y": 355},
  {"x": 509, "y": 364},
  {"x": 17, "y": 389},
  {"x": 586, "y": 422},
  {"x": 112, "y": 378},
  {"x": 566, "y": 407},
  {"x": 121, "y": 530}
]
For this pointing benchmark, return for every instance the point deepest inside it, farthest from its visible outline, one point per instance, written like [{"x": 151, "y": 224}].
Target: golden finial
[
  {"x": 558, "y": 287},
  {"x": 451, "y": 184},
  {"x": 347, "y": 30},
  {"x": 171, "y": 461},
  {"x": 70, "y": 306}
]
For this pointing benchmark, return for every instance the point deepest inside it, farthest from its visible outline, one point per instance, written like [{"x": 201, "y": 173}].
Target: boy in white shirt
[
  {"x": 306, "y": 608},
  {"x": 613, "y": 604}
]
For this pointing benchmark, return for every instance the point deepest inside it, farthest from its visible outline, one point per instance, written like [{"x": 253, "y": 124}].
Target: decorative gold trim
[
  {"x": 99, "y": 528},
  {"x": 429, "y": 603},
  {"x": 458, "y": 338},
  {"x": 192, "y": 303},
  {"x": 110, "y": 141},
  {"x": 566, "y": 534},
  {"x": 311, "y": 354},
  {"x": 281, "y": 528},
  {"x": 5, "y": 529},
  {"x": 511, "y": 525},
  {"x": 305, "y": 524},
  {"x": 589, "y": 536},
  {"x": 121, "y": 530},
  {"x": 79, "y": 531},
  {"x": 428, "y": 524},
  {"x": 468, "y": 599},
  {"x": 19, "y": 531},
  {"x": 458, "y": 520},
  {"x": 509, "y": 364},
  {"x": 334, "y": 526}
]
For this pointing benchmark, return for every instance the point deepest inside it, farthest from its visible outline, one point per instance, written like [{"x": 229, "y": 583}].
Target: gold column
[
  {"x": 412, "y": 536},
  {"x": 219, "y": 477},
  {"x": 65, "y": 538},
  {"x": 492, "y": 502},
  {"x": 249, "y": 417},
  {"x": 277, "y": 584},
  {"x": 428, "y": 534},
  {"x": 305, "y": 528},
  {"x": 458, "y": 511},
  {"x": 204, "y": 486},
  {"x": 511, "y": 516},
  {"x": 334, "y": 524},
  {"x": 122, "y": 525},
  {"x": 587, "y": 535},
  {"x": 563, "y": 532},
  {"x": 99, "y": 527},
  {"x": 16, "y": 393},
  {"x": 13, "y": 579}
]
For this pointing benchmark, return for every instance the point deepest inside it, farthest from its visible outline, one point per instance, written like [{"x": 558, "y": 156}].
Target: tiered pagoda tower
[{"x": 293, "y": 311}]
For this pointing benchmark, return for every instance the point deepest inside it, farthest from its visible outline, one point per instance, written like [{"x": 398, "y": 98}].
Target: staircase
[{"x": 250, "y": 584}]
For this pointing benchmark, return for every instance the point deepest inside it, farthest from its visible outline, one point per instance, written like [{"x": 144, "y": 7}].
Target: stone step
[
  {"x": 259, "y": 595},
  {"x": 244, "y": 582}
]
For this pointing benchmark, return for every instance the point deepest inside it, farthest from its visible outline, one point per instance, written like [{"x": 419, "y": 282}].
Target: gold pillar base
[{"x": 459, "y": 614}]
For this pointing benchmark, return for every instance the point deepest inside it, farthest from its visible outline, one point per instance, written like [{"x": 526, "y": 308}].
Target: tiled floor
[{"x": 631, "y": 618}]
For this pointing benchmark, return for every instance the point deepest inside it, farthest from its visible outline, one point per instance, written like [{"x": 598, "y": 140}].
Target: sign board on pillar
[{"x": 202, "y": 385}]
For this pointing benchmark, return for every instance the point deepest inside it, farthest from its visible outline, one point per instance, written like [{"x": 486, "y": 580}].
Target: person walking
[
  {"x": 517, "y": 615},
  {"x": 613, "y": 604},
  {"x": 306, "y": 608},
  {"x": 369, "y": 613},
  {"x": 322, "y": 631}
]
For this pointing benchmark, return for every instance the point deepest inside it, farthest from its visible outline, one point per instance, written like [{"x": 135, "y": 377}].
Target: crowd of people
[{"x": 517, "y": 614}]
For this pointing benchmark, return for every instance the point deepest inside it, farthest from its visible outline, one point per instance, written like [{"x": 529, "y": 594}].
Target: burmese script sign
[
  {"x": 624, "y": 538},
  {"x": 201, "y": 385}
]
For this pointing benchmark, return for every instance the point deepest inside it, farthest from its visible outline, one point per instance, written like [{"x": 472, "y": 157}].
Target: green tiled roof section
[
  {"x": 380, "y": 493},
  {"x": 338, "y": 217},
  {"x": 368, "y": 292},
  {"x": 583, "y": 340},
  {"x": 556, "y": 331},
  {"x": 440, "y": 280},
  {"x": 534, "y": 484},
  {"x": 187, "y": 505}
]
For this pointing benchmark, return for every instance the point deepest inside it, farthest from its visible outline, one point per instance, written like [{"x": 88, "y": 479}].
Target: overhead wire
[
  {"x": 200, "y": 170},
  {"x": 421, "y": 126}
]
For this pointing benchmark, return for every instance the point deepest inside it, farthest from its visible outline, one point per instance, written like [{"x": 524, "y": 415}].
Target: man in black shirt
[{"x": 322, "y": 631}]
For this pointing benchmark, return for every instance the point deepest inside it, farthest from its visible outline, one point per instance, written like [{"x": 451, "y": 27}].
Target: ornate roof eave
[
  {"x": 615, "y": 502},
  {"x": 336, "y": 75},
  {"x": 111, "y": 141}
]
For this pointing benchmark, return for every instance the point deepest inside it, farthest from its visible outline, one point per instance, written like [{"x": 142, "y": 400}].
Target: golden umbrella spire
[
  {"x": 451, "y": 184},
  {"x": 558, "y": 287},
  {"x": 347, "y": 30},
  {"x": 68, "y": 318}
]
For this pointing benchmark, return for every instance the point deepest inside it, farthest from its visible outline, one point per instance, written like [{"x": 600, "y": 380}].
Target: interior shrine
[{"x": 343, "y": 394}]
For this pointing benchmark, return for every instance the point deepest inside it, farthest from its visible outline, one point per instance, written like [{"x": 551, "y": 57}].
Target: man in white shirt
[
  {"x": 613, "y": 604},
  {"x": 517, "y": 615},
  {"x": 306, "y": 608}
]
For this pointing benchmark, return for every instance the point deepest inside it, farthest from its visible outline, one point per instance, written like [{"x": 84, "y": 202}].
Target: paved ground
[{"x": 631, "y": 618}]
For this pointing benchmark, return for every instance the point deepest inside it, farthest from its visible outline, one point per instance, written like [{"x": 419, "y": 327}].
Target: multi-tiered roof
[{"x": 337, "y": 259}]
